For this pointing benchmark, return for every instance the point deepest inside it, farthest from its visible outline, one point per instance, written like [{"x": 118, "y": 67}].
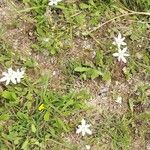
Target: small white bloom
[
  {"x": 53, "y": 2},
  {"x": 88, "y": 147},
  {"x": 12, "y": 76},
  {"x": 121, "y": 54},
  {"x": 119, "y": 100},
  {"x": 8, "y": 77},
  {"x": 119, "y": 40},
  {"x": 84, "y": 128},
  {"x": 19, "y": 74}
]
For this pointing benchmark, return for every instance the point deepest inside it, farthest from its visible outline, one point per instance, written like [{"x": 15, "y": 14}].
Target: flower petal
[
  {"x": 88, "y": 125},
  {"x": 18, "y": 80},
  {"x": 123, "y": 43},
  {"x": 13, "y": 80},
  {"x": 119, "y": 58},
  {"x": 83, "y": 132},
  {"x": 115, "y": 54},
  {"x": 83, "y": 122},
  {"x": 3, "y": 79},
  {"x": 126, "y": 54},
  {"x": 79, "y": 130},
  {"x": 88, "y": 131},
  {"x": 123, "y": 39},
  {"x": 124, "y": 49},
  {"x": 5, "y": 74},
  {"x": 114, "y": 43},
  {"x": 119, "y": 35},
  {"x": 10, "y": 71},
  {"x": 7, "y": 81},
  {"x": 123, "y": 59}
]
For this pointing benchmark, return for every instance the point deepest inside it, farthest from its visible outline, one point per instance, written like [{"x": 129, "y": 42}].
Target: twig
[
  {"x": 143, "y": 22},
  {"x": 98, "y": 42},
  {"x": 54, "y": 141},
  {"x": 76, "y": 14},
  {"x": 120, "y": 16}
]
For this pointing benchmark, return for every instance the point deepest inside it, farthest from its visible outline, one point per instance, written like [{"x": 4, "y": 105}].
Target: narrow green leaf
[
  {"x": 25, "y": 145},
  {"x": 4, "y": 117},
  {"x": 46, "y": 116},
  {"x": 9, "y": 95},
  {"x": 33, "y": 128},
  {"x": 62, "y": 124},
  {"x": 95, "y": 73},
  {"x": 81, "y": 69}
]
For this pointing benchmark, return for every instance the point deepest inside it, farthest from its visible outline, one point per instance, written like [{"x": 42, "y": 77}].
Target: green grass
[
  {"x": 21, "y": 106},
  {"x": 59, "y": 32},
  {"x": 137, "y": 5}
]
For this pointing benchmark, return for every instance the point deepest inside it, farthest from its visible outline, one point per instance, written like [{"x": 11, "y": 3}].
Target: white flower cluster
[
  {"x": 53, "y": 2},
  {"x": 12, "y": 76},
  {"x": 121, "y": 54}
]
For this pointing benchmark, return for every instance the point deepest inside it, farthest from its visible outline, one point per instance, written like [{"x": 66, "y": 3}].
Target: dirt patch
[
  {"x": 138, "y": 144},
  {"x": 16, "y": 30},
  {"x": 19, "y": 33}
]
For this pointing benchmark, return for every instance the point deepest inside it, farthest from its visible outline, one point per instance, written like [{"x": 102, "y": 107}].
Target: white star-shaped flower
[
  {"x": 84, "y": 128},
  {"x": 53, "y": 2},
  {"x": 12, "y": 76},
  {"x": 119, "y": 40},
  {"x": 121, "y": 54},
  {"x": 9, "y": 76}
]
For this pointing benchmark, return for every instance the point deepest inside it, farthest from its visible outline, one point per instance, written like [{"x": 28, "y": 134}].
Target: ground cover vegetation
[{"x": 75, "y": 74}]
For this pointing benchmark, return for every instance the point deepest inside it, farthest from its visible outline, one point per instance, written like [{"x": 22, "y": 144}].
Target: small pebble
[
  {"x": 54, "y": 73},
  {"x": 88, "y": 147},
  {"x": 119, "y": 100}
]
